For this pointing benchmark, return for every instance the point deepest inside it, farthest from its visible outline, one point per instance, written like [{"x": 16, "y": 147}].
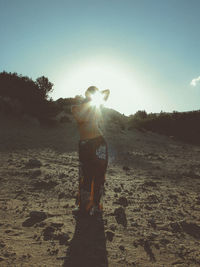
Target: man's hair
[{"x": 91, "y": 90}]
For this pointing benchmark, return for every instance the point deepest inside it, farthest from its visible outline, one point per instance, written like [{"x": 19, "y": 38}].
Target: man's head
[{"x": 91, "y": 91}]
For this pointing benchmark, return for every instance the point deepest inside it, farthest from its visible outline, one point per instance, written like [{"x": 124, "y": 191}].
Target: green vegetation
[
  {"x": 184, "y": 126},
  {"x": 21, "y": 95}
]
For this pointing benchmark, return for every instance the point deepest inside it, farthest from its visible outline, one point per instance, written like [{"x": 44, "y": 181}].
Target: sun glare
[
  {"x": 125, "y": 92},
  {"x": 97, "y": 99}
]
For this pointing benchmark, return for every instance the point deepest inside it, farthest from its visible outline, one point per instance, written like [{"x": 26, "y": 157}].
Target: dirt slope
[{"x": 151, "y": 208}]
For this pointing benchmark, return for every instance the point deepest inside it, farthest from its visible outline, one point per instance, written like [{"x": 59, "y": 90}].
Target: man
[{"x": 93, "y": 151}]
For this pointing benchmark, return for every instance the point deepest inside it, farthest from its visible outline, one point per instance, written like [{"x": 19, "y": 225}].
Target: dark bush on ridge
[
  {"x": 181, "y": 125},
  {"x": 31, "y": 97}
]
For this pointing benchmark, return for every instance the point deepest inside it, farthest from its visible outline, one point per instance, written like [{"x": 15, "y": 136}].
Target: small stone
[
  {"x": 175, "y": 227},
  {"x": 35, "y": 173},
  {"x": 150, "y": 183},
  {"x": 152, "y": 198},
  {"x": 109, "y": 235},
  {"x": 164, "y": 241},
  {"x": 125, "y": 168},
  {"x": 63, "y": 238},
  {"x": 134, "y": 224},
  {"x": 152, "y": 222},
  {"x": 122, "y": 248},
  {"x": 113, "y": 227},
  {"x": 120, "y": 216},
  {"x": 33, "y": 163},
  {"x": 44, "y": 185},
  {"x": 117, "y": 189},
  {"x": 191, "y": 228},
  {"x": 48, "y": 233},
  {"x": 35, "y": 217},
  {"x": 57, "y": 225},
  {"x": 123, "y": 201},
  {"x": 148, "y": 207},
  {"x": 61, "y": 195}
]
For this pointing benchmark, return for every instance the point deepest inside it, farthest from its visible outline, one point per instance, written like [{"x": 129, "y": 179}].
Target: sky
[{"x": 145, "y": 51}]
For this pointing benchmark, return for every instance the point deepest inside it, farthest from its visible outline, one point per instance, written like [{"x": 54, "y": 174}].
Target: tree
[
  {"x": 45, "y": 86},
  {"x": 31, "y": 96},
  {"x": 140, "y": 115}
]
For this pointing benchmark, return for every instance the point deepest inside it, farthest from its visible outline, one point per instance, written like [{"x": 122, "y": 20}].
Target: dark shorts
[{"x": 93, "y": 161}]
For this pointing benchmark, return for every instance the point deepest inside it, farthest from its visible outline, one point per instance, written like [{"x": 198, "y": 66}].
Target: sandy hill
[{"x": 151, "y": 208}]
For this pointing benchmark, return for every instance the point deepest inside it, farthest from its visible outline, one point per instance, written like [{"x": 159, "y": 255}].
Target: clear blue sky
[{"x": 145, "y": 51}]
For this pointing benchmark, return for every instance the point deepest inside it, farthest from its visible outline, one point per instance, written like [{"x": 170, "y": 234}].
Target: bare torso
[{"x": 87, "y": 118}]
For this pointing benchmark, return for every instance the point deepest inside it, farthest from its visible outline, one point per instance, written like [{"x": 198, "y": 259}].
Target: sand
[{"x": 151, "y": 208}]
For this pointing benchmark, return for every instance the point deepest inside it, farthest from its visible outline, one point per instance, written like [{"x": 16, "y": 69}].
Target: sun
[
  {"x": 97, "y": 99},
  {"x": 125, "y": 92}
]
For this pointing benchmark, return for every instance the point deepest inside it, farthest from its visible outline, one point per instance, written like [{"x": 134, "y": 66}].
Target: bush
[
  {"x": 182, "y": 125},
  {"x": 20, "y": 93}
]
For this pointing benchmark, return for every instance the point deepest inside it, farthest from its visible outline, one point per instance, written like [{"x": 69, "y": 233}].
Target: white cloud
[{"x": 195, "y": 81}]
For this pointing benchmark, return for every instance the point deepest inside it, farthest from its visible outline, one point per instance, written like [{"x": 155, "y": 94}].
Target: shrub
[
  {"x": 21, "y": 93},
  {"x": 182, "y": 125}
]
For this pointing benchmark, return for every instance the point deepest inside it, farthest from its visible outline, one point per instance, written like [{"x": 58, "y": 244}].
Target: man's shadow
[{"x": 88, "y": 246}]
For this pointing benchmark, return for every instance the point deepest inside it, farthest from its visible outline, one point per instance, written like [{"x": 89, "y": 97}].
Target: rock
[
  {"x": 105, "y": 221},
  {"x": 117, "y": 189},
  {"x": 148, "y": 207},
  {"x": 198, "y": 200},
  {"x": 120, "y": 216},
  {"x": 8, "y": 231},
  {"x": 33, "y": 163},
  {"x": 63, "y": 238},
  {"x": 113, "y": 227},
  {"x": 35, "y": 173},
  {"x": 62, "y": 195},
  {"x": 164, "y": 241},
  {"x": 122, "y": 201},
  {"x": 152, "y": 223},
  {"x": 35, "y": 217},
  {"x": 42, "y": 224},
  {"x": 63, "y": 175},
  {"x": 134, "y": 224},
  {"x": 45, "y": 185},
  {"x": 2, "y": 244},
  {"x": 147, "y": 247},
  {"x": 150, "y": 183},
  {"x": 48, "y": 233},
  {"x": 122, "y": 248},
  {"x": 175, "y": 227},
  {"x": 109, "y": 235},
  {"x": 54, "y": 251},
  {"x": 152, "y": 198},
  {"x": 41, "y": 215},
  {"x": 57, "y": 225},
  {"x": 149, "y": 251},
  {"x": 153, "y": 236},
  {"x": 136, "y": 209},
  {"x": 125, "y": 168},
  {"x": 191, "y": 229}
]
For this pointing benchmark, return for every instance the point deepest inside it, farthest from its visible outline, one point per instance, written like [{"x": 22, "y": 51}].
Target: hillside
[{"x": 151, "y": 208}]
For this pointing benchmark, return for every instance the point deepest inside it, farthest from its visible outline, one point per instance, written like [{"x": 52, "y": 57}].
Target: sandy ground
[{"x": 151, "y": 207}]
